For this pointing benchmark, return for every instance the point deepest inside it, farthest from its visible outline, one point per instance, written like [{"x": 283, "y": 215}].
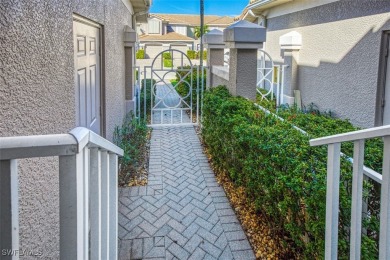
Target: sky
[{"x": 211, "y": 7}]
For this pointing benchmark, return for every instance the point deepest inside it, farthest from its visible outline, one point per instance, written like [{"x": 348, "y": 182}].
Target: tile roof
[
  {"x": 194, "y": 20},
  {"x": 172, "y": 36}
]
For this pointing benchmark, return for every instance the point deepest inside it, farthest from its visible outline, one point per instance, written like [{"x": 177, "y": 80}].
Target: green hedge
[
  {"x": 167, "y": 55},
  {"x": 140, "y": 54},
  {"x": 183, "y": 88},
  {"x": 283, "y": 176},
  {"x": 168, "y": 63},
  {"x": 191, "y": 54},
  {"x": 319, "y": 124},
  {"x": 204, "y": 55}
]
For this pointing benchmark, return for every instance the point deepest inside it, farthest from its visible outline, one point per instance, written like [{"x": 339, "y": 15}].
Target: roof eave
[
  {"x": 265, "y": 4},
  {"x": 141, "y": 9}
]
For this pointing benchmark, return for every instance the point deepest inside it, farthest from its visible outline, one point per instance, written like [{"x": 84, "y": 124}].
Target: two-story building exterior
[{"x": 175, "y": 31}]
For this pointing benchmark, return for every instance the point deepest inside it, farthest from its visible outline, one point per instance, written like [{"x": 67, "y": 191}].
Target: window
[
  {"x": 154, "y": 26},
  {"x": 180, "y": 29}
]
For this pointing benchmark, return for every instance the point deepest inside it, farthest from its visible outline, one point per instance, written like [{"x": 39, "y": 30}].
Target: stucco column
[
  {"x": 243, "y": 39},
  {"x": 129, "y": 38},
  {"x": 215, "y": 52},
  {"x": 290, "y": 44}
]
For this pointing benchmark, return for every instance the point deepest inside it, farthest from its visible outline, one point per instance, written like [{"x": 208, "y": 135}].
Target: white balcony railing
[
  {"x": 332, "y": 192},
  {"x": 88, "y": 176}
]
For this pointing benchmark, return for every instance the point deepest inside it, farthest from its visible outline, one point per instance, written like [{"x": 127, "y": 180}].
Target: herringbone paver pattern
[{"x": 183, "y": 213}]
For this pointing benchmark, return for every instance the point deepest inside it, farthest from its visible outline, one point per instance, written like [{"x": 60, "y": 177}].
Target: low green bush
[
  {"x": 184, "y": 87},
  {"x": 283, "y": 176},
  {"x": 319, "y": 124},
  {"x": 140, "y": 54},
  {"x": 168, "y": 63},
  {"x": 204, "y": 55},
  {"x": 132, "y": 137},
  {"x": 167, "y": 55},
  {"x": 191, "y": 54}
]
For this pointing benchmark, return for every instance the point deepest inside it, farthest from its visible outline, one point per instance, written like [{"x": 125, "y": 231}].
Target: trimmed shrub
[
  {"x": 168, "y": 63},
  {"x": 204, "y": 55},
  {"x": 319, "y": 124},
  {"x": 283, "y": 176},
  {"x": 191, "y": 54},
  {"x": 140, "y": 54},
  {"x": 184, "y": 89},
  {"x": 167, "y": 55}
]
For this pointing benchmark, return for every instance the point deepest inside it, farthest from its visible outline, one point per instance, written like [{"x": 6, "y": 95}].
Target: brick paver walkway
[{"x": 183, "y": 213}]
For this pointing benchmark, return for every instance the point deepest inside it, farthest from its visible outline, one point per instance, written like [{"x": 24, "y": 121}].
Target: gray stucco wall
[
  {"x": 339, "y": 59},
  {"x": 37, "y": 95},
  {"x": 218, "y": 81}
]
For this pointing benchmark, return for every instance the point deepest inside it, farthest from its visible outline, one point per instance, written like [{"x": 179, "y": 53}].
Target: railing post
[
  {"x": 332, "y": 201},
  {"x": 105, "y": 203},
  {"x": 95, "y": 204},
  {"x": 113, "y": 203},
  {"x": 357, "y": 199},
  {"x": 72, "y": 208},
  {"x": 384, "y": 233},
  {"x": 9, "y": 209}
]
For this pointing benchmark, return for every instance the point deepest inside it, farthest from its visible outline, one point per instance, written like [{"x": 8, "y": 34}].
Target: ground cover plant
[
  {"x": 132, "y": 136},
  {"x": 282, "y": 175}
]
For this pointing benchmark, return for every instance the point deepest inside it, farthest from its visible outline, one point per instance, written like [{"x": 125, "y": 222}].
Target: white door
[
  {"x": 386, "y": 109},
  {"x": 87, "y": 75}
]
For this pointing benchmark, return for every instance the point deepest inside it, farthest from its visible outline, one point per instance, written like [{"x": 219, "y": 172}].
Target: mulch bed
[{"x": 140, "y": 174}]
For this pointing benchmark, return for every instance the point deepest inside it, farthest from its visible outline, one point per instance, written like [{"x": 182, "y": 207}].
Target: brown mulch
[{"x": 265, "y": 243}]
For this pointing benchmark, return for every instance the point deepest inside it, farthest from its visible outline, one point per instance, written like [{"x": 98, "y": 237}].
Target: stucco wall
[
  {"x": 338, "y": 62},
  {"x": 218, "y": 81},
  {"x": 37, "y": 94}
]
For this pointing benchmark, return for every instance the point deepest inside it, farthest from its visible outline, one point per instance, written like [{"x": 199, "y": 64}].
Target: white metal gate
[
  {"x": 171, "y": 89},
  {"x": 270, "y": 78}
]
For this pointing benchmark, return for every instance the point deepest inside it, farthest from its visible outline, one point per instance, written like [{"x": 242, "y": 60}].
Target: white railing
[
  {"x": 88, "y": 176},
  {"x": 332, "y": 192}
]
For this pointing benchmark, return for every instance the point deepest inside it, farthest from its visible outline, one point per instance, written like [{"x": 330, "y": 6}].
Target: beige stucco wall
[
  {"x": 37, "y": 95},
  {"x": 339, "y": 59}
]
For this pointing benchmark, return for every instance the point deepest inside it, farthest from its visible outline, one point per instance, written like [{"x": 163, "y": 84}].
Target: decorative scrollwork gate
[
  {"x": 270, "y": 78},
  {"x": 171, "y": 90}
]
